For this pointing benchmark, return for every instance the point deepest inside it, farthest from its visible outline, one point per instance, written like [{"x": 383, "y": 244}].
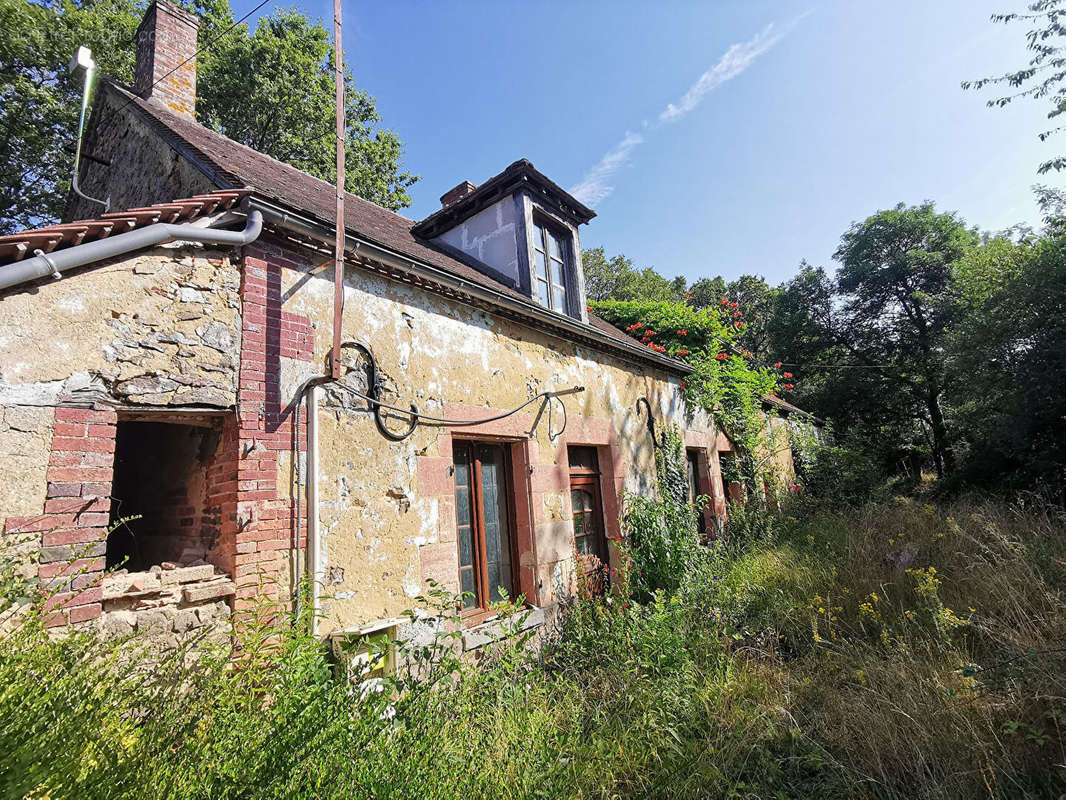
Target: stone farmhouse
[{"x": 176, "y": 362}]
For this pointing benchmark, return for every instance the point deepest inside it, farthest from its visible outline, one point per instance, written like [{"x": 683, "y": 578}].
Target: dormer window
[
  {"x": 550, "y": 255},
  {"x": 518, "y": 229}
]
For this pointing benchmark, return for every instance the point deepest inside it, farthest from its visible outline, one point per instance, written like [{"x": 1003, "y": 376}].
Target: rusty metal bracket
[{"x": 651, "y": 423}]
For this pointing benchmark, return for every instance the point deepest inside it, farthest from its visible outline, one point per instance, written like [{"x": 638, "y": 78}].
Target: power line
[
  {"x": 846, "y": 366},
  {"x": 199, "y": 50}
]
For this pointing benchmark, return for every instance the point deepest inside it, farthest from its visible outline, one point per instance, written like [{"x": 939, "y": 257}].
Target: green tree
[
  {"x": 706, "y": 292},
  {"x": 616, "y": 278},
  {"x": 1007, "y": 357},
  {"x": 1045, "y": 75},
  {"x": 285, "y": 110},
  {"x": 894, "y": 279},
  {"x": 273, "y": 90}
]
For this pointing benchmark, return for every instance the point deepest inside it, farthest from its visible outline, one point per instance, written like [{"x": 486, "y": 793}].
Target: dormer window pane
[
  {"x": 542, "y": 289},
  {"x": 550, "y": 257},
  {"x": 557, "y": 273}
]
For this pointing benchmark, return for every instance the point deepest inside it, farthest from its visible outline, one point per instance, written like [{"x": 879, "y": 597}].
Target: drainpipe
[
  {"x": 314, "y": 542},
  {"x": 43, "y": 264}
]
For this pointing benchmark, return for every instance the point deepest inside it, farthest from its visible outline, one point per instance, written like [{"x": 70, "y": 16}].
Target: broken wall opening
[{"x": 164, "y": 474}]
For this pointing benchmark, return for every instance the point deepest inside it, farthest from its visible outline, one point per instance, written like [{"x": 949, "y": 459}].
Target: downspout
[
  {"x": 314, "y": 541},
  {"x": 44, "y": 264}
]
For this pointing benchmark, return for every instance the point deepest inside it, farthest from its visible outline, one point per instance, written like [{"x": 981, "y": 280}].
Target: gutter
[
  {"x": 314, "y": 229},
  {"x": 44, "y": 264}
]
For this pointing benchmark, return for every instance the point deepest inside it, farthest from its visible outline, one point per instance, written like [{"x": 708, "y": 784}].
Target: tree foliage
[
  {"x": 726, "y": 380},
  {"x": 1045, "y": 75},
  {"x": 271, "y": 89},
  {"x": 929, "y": 345},
  {"x": 616, "y": 278},
  {"x": 894, "y": 275}
]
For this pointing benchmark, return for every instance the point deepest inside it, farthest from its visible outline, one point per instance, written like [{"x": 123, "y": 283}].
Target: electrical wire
[
  {"x": 461, "y": 423},
  {"x": 199, "y": 50}
]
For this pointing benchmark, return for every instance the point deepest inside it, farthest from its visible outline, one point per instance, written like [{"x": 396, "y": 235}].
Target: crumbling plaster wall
[
  {"x": 158, "y": 328},
  {"x": 491, "y": 236},
  {"x": 386, "y": 510}
]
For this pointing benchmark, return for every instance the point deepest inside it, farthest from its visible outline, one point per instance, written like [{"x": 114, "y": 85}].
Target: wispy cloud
[
  {"x": 736, "y": 59},
  {"x": 596, "y": 185}
]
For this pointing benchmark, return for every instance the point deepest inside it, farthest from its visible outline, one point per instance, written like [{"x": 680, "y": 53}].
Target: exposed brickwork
[
  {"x": 74, "y": 523},
  {"x": 260, "y": 520},
  {"x": 166, "y": 57}
]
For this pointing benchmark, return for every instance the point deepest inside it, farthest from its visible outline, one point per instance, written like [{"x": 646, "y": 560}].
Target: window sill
[{"x": 493, "y": 630}]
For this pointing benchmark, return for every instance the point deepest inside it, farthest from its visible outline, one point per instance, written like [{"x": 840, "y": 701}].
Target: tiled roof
[
  {"x": 16, "y": 246},
  {"x": 788, "y": 408},
  {"x": 233, "y": 165}
]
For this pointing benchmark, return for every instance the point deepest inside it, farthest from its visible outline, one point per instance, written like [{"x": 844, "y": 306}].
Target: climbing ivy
[
  {"x": 662, "y": 541},
  {"x": 725, "y": 379}
]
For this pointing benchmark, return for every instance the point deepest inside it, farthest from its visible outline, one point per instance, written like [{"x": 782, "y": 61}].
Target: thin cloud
[
  {"x": 596, "y": 185},
  {"x": 736, "y": 59}
]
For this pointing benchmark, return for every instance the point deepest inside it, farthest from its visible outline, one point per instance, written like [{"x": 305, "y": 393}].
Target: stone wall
[
  {"x": 144, "y": 168},
  {"x": 155, "y": 331},
  {"x": 386, "y": 509},
  {"x": 167, "y": 605}
]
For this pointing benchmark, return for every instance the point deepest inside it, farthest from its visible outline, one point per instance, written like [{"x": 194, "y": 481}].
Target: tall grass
[{"x": 891, "y": 651}]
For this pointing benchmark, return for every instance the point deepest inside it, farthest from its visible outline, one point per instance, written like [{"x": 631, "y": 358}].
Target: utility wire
[
  {"x": 199, "y": 50},
  {"x": 456, "y": 423}
]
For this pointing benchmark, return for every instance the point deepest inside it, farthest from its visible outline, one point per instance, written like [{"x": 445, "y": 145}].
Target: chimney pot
[
  {"x": 458, "y": 193},
  {"x": 166, "y": 57}
]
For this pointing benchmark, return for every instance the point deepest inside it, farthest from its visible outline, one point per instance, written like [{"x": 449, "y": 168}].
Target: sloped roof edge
[{"x": 16, "y": 246}]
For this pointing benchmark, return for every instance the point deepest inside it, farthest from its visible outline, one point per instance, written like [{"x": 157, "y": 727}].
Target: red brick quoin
[
  {"x": 73, "y": 526},
  {"x": 262, "y": 524}
]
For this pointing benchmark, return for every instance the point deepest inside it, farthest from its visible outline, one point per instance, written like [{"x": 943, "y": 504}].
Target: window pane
[
  {"x": 542, "y": 293},
  {"x": 497, "y": 532},
  {"x": 579, "y": 519},
  {"x": 559, "y": 298},
  {"x": 467, "y": 583},
  {"x": 554, "y": 246},
  {"x": 538, "y": 241},
  {"x": 539, "y": 263},
  {"x": 464, "y": 523},
  {"x": 585, "y": 541},
  {"x": 557, "y": 273}
]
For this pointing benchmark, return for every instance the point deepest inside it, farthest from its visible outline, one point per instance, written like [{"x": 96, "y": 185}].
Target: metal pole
[{"x": 338, "y": 244}]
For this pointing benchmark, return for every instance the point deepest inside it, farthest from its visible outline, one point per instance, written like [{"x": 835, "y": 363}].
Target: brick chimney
[
  {"x": 166, "y": 37},
  {"x": 458, "y": 193}
]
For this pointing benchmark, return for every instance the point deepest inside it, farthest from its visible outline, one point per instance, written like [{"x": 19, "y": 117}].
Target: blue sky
[{"x": 809, "y": 115}]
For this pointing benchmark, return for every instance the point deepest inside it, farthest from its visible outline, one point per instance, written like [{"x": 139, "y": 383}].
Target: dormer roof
[{"x": 519, "y": 175}]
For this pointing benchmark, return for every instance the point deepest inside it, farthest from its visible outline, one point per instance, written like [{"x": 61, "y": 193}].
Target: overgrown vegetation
[
  {"x": 897, "y": 650},
  {"x": 726, "y": 380},
  {"x": 931, "y": 348}
]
